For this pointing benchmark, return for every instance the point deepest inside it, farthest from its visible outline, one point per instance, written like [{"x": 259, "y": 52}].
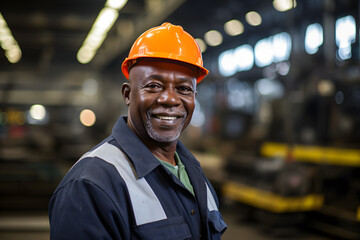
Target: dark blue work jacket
[{"x": 119, "y": 190}]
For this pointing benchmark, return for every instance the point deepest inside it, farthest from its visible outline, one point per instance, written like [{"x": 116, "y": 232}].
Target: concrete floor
[
  {"x": 36, "y": 227},
  {"x": 28, "y": 226}
]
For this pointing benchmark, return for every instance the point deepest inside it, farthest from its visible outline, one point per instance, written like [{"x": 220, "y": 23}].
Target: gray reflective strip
[
  {"x": 146, "y": 206},
  {"x": 210, "y": 200}
]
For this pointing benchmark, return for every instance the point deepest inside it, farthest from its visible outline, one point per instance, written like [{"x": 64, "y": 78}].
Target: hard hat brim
[{"x": 128, "y": 63}]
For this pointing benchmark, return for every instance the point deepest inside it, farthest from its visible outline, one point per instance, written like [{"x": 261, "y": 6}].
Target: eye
[
  {"x": 185, "y": 90},
  {"x": 153, "y": 87}
]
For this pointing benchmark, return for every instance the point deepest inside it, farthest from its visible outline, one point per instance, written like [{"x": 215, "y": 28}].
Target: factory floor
[
  {"x": 36, "y": 226},
  {"x": 249, "y": 230}
]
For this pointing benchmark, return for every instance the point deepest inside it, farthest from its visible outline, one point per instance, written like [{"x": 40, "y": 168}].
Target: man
[{"x": 141, "y": 182}]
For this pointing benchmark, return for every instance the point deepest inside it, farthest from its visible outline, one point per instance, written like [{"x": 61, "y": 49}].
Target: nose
[{"x": 169, "y": 97}]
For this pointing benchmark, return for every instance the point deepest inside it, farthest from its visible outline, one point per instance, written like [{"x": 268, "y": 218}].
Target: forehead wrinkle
[
  {"x": 185, "y": 79},
  {"x": 156, "y": 77}
]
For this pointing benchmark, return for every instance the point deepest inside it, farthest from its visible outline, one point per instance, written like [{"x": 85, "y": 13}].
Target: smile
[{"x": 166, "y": 117}]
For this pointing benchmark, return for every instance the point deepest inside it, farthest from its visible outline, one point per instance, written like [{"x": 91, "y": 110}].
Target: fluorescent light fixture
[
  {"x": 213, "y": 38},
  {"x": 244, "y": 57},
  {"x": 314, "y": 38},
  {"x": 234, "y": 27},
  {"x": 8, "y": 43},
  {"x": 13, "y": 54},
  {"x": 85, "y": 54},
  {"x": 253, "y": 18},
  {"x": 345, "y": 34},
  {"x": 37, "y": 115},
  {"x": 106, "y": 19},
  {"x": 263, "y": 53},
  {"x": 281, "y": 45},
  {"x": 236, "y": 60},
  {"x": 227, "y": 65},
  {"x": 276, "y": 48},
  {"x": 116, "y": 4},
  {"x": 284, "y": 5},
  {"x": 99, "y": 30},
  {"x": 37, "y": 112}
]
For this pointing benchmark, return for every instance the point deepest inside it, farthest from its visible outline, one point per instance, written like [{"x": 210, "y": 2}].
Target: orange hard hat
[{"x": 169, "y": 42}]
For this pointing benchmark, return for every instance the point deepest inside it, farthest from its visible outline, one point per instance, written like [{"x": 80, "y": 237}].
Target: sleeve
[{"x": 82, "y": 210}]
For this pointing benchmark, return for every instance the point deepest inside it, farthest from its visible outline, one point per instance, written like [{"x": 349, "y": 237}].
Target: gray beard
[{"x": 159, "y": 138}]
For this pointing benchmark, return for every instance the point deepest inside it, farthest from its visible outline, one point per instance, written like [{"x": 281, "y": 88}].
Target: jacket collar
[
  {"x": 140, "y": 156},
  {"x": 143, "y": 160}
]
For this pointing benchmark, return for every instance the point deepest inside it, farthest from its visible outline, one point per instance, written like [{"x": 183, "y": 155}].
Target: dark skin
[{"x": 160, "y": 95}]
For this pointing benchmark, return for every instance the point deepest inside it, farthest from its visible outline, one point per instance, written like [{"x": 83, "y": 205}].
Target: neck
[{"x": 164, "y": 151}]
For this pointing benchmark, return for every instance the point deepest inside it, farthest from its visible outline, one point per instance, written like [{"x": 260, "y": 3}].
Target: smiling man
[{"x": 141, "y": 182}]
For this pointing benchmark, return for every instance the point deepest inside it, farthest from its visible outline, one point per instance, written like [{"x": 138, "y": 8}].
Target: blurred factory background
[{"x": 277, "y": 121}]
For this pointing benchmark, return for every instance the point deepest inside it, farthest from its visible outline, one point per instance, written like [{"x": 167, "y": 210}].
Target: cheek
[
  {"x": 143, "y": 99},
  {"x": 143, "y": 103},
  {"x": 190, "y": 106}
]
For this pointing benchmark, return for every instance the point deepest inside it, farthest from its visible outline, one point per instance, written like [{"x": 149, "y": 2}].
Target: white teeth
[{"x": 166, "y": 117}]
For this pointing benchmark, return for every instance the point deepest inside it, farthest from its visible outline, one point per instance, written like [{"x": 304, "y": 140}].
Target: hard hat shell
[{"x": 167, "y": 41}]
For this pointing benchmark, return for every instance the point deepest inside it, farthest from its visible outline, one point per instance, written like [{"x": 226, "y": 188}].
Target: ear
[{"x": 125, "y": 90}]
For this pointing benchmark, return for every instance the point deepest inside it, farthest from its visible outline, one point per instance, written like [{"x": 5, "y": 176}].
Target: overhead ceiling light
[
  {"x": 253, "y": 18},
  {"x": 284, "y": 5},
  {"x": 106, "y": 19},
  {"x": 85, "y": 54},
  {"x": 345, "y": 35},
  {"x": 13, "y": 54},
  {"x": 99, "y": 30},
  {"x": 116, "y": 4},
  {"x": 276, "y": 48},
  {"x": 37, "y": 115},
  {"x": 37, "y": 112},
  {"x": 236, "y": 60},
  {"x": 227, "y": 65},
  {"x": 202, "y": 44},
  {"x": 8, "y": 42},
  {"x": 213, "y": 38},
  {"x": 314, "y": 38},
  {"x": 244, "y": 57},
  {"x": 234, "y": 27},
  {"x": 87, "y": 117}
]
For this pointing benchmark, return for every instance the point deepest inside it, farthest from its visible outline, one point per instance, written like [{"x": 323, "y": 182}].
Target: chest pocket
[{"x": 167, "y": 229}]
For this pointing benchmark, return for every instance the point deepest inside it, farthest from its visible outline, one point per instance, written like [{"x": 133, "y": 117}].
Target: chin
[
  {"x": 163, "y": 138},
  {"x": 163, "y": 135}
]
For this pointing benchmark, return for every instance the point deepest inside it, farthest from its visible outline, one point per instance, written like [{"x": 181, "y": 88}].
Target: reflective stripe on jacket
[{"x": 119, "y": 190}]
